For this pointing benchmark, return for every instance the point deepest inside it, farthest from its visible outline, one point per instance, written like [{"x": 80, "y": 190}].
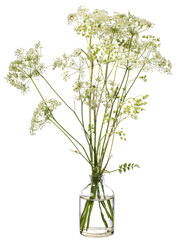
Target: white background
[{"x": 40, "y": 178}]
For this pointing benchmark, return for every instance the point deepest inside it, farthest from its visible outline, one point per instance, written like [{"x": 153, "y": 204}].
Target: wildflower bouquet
[{"x": 118, "y": 53}]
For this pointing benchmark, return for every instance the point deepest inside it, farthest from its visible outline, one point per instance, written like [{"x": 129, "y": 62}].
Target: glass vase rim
[
  {"x": 97, "y": 175},
  {"x": 100, "y": 176}
]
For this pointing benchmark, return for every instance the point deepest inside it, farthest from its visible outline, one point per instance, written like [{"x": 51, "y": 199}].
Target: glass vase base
[{"x": 97, "y": 232}]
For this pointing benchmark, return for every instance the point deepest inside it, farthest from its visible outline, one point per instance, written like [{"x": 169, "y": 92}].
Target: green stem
[
  {"x": 78, "y": 151},
  {"x": 111, "y": 210},
  {"x": 106, "y": 171},
  {"x": 109, "y": 154},
  {"x": 109, "y": 205},
  {"x": 63, "y": 129},
  {"x": 107, "y": 128},
  {"x": 135, "y": 79},
  {"x": 70, "y": 136},
  {"x": 95, "y": 152},
  {"x": 84, "y": 216},
  {"x": 106, "y": 109},
  {"x": 62, "y": 99},
  {"x": 86, "y": 134},
  {"x": 91, "y": 203},
  {"x": 37, "y": 89},
  {"x": 119, "y": 109},
  {"x": 90, "y": 98},
  {"x": 102, "y": 215}
]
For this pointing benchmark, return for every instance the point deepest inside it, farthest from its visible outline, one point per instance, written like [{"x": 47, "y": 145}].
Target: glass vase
[{"x": 96, "y": 209}]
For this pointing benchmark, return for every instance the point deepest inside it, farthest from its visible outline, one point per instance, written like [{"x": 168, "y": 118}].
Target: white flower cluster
[
  {"x": 43, "y": 114},
  {"x": 26, "y": 66},
  {"x": 118, "y": 38}
]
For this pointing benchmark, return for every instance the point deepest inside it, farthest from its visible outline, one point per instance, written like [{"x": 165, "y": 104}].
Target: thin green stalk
[
  {"x": 37, "y": 89},
  {"x": 71, "y": 136},
  {"x": 101, "y": 129},
  {"x": 102, "y": 215},
  {"x": 111, "y": 70},
  {"x": 61, "y": 99},
  {"x": 106, "y": 210},
  {"x": 84, "y": 216},
  {"x": 127, "y": 69},
  {"x": 78, "y": 151},
  {"x": 109, "y": 154},
  {"x": 86, "y": 134},
  {"x": 119, "y": 111},
  {"x": 82, "y": 118},
  {"x": 106, "y": 73},
  {"x": 106, "y": 171},
  {"x": 110, "y": 215},
  {"x": 115, "y": 75},
  {"x": 102, "y": 203},
  {"x": 125, "y": 86},
  {"x": 135, "y": 79},
  {"x": 103, "y": 150},
  {"x": 105, "y": 81},
  {"x": 83, "y": 213},
  {"x": 90, "y": 116},
  {"x": 96, "y": 95},
  {"x": 110, "y": 208},
  {"x": 65, "y": 104},
  {"x": 95, "y": 152},
  {"x": 82, "y": 123},
  {"x": 109, "y": 204},
  {"x": 67, "y": 133},
  {"x": 101, "y": 92},
  {"x": 91, "y": 203},
  {"x": 106, "y": 109},
  {"x": 123, "y": 97}
]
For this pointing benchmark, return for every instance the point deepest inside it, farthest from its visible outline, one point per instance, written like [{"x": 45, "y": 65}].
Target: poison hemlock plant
[{"x": 118, "y": 53}]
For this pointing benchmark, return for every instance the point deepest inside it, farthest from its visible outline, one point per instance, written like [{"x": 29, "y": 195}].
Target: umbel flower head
[
  {"x": 26, "y": 66},
  {"x": 118, "y": 42},
  {"x": 119, "y": 35},
  {"x": 43, "y": 114}
]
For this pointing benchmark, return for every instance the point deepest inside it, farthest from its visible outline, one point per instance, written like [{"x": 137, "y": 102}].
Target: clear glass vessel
[{"x": 96, "y": 209}]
